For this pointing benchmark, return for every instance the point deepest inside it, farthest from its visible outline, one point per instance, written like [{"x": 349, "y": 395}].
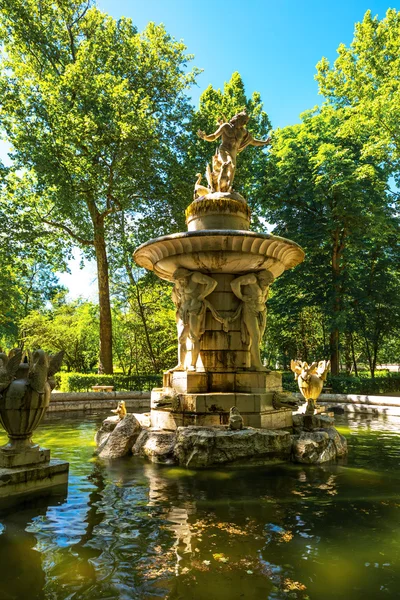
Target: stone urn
[{"x": 25, "y": 390}]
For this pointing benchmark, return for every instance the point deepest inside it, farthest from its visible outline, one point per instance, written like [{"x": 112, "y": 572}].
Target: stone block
[
  {"x": 252, "y": 420},
  {"x": 221, "y": 340},
  {"x": 224, "y": 281},
  {"x": 219, "y": 402},
  {"x": 221, "y": 382},
  {"x": 276, "y": 419},
  {"x": 209, "y": 420},
  {"x": 225, "y": 360},
  {"x": 273, "y": 381},
  {"x": 266, "y": 401},
  {"x": 245, "y": 403},
  {"x": 31, "y": 456},
  {"x": 212, "y": 324},
  {"x": 163, "y": 419},
  {"x": 250, "y": 381},
  {"x": 27, "y": 480},
  {"x": 224, "y": 300},
  {"x": 194, "y": 402},
  {"x": 187, "y": 382}
]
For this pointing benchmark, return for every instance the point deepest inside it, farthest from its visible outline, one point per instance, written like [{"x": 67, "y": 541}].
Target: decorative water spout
[
  {"x": 311, "y": 379},
  {"x": 221, "y": 272}
]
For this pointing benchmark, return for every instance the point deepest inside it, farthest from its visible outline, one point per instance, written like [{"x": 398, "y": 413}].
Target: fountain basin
[{"x": 218, "y": 251}]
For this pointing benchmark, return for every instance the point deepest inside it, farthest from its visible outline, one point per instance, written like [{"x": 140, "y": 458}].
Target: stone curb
[{"x": 68, "y": 402}]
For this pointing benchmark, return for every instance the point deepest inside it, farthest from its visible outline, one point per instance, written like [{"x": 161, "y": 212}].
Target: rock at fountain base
[
  {"x": 23, "y": 480},
  {"x": 318, "y": 446},
  {"x": 156, "y": 445},
  {"x": 199, "y": 446},
  {"x": 302, "y": 422},
  {"x": 203, "y": 446},
  {"x": 207, "y": 446},
  {"x": 116, "y": 436}
]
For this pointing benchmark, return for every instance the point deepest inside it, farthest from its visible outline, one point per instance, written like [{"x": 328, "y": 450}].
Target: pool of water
[{"x": 134, "y": 530}]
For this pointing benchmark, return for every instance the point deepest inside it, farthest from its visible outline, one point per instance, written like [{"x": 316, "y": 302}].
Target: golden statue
[
  {"x": 120, "y": 410},
  {"x": 311, "y": 379},
  {"x": 235, "y": 138}
]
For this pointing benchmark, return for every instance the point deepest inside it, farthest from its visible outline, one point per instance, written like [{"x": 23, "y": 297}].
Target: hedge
[
  {"x": 388, "y": 383},
  {"x": 81, "y": 382}
]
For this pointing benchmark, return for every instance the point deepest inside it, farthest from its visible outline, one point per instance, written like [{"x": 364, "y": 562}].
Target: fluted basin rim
[{"x": 247, "y": 251}]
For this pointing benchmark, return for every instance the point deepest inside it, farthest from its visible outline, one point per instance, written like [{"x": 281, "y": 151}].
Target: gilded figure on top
[{"x": 235, "y": 138}]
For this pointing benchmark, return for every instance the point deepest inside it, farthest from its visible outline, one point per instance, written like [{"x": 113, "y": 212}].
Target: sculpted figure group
[
  {"x": 189, "y": 296},
  {"x": 235, "y": 138},
  {"x": 190, "y": 290}
]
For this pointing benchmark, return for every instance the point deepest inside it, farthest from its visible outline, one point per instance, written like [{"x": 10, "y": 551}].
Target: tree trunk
[
  {"x": 338, "y": 245},
  {"x": 334, "y": 346},
  {"x": 142, "y": 315},
  {"x": 347, "y": 354},
  {"x": 353, "y": 355},
  {"x": 106, "y": 360}
]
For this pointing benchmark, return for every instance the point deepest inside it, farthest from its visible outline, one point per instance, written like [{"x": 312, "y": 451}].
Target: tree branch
[{"x": 67, "y": 229}]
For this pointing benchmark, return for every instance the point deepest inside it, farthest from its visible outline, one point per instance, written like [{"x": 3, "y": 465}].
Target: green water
[{"x": 133, "y": 530}]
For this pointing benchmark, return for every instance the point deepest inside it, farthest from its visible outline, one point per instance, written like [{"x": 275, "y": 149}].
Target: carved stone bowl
[{"x": 218, "y": 251}]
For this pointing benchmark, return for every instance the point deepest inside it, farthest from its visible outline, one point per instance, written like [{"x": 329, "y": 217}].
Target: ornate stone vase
[
  {"x": 24, "y": 398},
  {"x": 22, "y": 408}
]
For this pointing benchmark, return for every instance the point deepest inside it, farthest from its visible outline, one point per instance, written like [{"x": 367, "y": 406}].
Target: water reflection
[
  {"x": 21, "y": 570},
  {"x": 133, "y": 530}
]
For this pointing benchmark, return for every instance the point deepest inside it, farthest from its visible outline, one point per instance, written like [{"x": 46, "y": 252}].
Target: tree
[
  {"x": 69, "y": 326},
  {"x": 373, "y": 294},
  {"x": 92, "y": 107},
  {"x": 29, "y": 257},
  {"x": 365, "y": 78},
  {"x": 322, "y": 192},
  {"x": 144, "y": 326}
]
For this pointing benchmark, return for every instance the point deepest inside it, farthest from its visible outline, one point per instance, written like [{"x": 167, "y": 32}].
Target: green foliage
[
  {"x": 29, "y": 257},
  {"x": 72, "y": 327},
  {"x": 144, "y": 324},
  {"x": 325, "y": 194},
  {"x": 365, "y": 77},
  {"x": 92, "y": 108},
  {"x": 78, "y": 382}
]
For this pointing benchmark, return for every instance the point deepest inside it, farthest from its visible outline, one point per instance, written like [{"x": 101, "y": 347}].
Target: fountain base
[{"x": 205, "y": 398}]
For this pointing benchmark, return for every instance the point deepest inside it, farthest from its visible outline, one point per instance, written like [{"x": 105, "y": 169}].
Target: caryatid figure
[
  {"x": 235, "y": 138},
  {"x": 190, "y": 290},
  {"x": 252, "y": 289}
]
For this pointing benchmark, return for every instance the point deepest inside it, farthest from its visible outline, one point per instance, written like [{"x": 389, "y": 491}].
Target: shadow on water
[{"x": 133, "y": 530}]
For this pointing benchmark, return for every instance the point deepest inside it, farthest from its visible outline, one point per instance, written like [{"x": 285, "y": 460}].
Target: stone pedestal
[
  {"x": 22, "y": 480},
  {"x": 205, "y": 398},
  {"x": 25, "y": 468},
  {"x": 33, "y": 455}
]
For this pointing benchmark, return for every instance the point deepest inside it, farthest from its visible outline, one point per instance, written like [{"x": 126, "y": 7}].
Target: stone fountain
[{"x": 221, "y": 272}]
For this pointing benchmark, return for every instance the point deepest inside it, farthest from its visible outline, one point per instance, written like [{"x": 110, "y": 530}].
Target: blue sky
[{"x": 274, "y": 44}]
